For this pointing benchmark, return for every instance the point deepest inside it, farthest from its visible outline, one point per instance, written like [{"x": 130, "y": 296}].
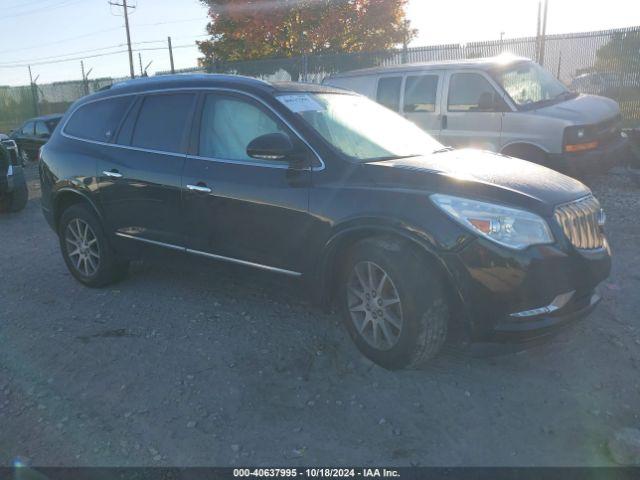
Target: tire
[
  {"x": 529, "y": 153},
  {"x": 86, "y": 250},
  {"x": 18, "y": 199},
  {"x": 410, "y": 331}
]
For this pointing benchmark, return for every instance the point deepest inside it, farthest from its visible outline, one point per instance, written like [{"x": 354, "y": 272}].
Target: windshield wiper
[
  {"x": 391, "y": 157},
  {"x": 443, "y": 149}
]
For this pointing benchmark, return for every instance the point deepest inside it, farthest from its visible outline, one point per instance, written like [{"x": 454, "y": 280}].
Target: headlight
[
  {"x": 507, "y": 226},
  {"x": 579, "y": 139}
]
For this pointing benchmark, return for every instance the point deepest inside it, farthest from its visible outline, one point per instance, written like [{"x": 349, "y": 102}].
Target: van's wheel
[
  {"x": 393, "y": 304},
  {"x": 529, "y": 153},
  {"x": 85, "y": 249}
]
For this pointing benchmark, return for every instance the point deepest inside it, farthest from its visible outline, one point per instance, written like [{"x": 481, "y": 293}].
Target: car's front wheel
[
  {"x": 393, "y": 303},
  {"x": 85, "y": 248}
]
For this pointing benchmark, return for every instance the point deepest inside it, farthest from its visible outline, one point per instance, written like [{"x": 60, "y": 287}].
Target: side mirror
[{"x": 272, "y": 146}]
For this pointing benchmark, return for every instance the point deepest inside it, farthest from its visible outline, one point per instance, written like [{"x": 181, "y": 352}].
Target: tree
[
  {"x": 257, "y": 29},
  {"x": 621, "y": 54}
]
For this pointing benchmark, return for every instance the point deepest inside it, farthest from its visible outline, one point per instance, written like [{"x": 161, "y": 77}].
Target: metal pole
[
  {"x": 84, "y": 79},
  {"x": 140, "y": 60},
  {"x": 173, "y": 68},
  {"x": 544, "y": 32},
  {"x": 538, "y": 32},
  {"x": 34, "y": 93},
  {"x": 559, "y": 63},
  {"x": 126, "y": 24}
]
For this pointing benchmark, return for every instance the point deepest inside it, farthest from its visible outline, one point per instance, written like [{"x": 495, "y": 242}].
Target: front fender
[{"x": 344, "y": 235}]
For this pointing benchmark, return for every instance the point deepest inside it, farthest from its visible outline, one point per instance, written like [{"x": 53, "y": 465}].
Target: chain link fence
[{"x": 603, "y": 63}]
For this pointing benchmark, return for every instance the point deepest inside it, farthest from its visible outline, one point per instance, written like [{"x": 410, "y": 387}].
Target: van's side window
[
  {"x": 471, "y": 92},
  {"x": 420, "y": 93},
  {"x": 98, "y": 120},
  {"x": 389, "y": 92},
  {"x": 162, "y": 121}
]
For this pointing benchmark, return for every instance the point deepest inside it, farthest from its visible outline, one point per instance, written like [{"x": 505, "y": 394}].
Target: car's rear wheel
[
  {"x": 18, "y": 199},
  {"x": 393, "y": 304},
  {"x": 85, "y": 248}
]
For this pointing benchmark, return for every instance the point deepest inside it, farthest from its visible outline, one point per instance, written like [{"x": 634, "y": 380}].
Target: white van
[{"x": 503, "y": 104}]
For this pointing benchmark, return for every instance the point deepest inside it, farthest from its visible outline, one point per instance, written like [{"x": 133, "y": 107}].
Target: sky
[{"x": 39, "y": 31}]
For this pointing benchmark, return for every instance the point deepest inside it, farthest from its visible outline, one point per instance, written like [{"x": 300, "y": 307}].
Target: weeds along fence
[{"x": 603, "y": 62}]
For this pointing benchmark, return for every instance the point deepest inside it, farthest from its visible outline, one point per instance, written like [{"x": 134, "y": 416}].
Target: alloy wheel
[
  {"x": 374, "y": 305},
  {"x": 82, "y": 247}
]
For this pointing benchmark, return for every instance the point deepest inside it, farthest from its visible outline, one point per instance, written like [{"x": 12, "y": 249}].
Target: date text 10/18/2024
[{"x": 316, "y": 473}]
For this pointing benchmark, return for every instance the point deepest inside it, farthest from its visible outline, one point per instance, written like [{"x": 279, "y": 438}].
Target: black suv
[
  {"x": 33, "y": 134},
  {"x": 409, "y": 239}
]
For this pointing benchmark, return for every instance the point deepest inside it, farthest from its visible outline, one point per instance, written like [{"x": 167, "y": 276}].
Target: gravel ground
[{"x": 196, "y": 364}]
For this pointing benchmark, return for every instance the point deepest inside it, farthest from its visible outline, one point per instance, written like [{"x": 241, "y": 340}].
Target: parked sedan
[
  {"x": 33, "y": 134},
  {"x": 13, "y": 188},
  {"x": 411, "y": 241}
]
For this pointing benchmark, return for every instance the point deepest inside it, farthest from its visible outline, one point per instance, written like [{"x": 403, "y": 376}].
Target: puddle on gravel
[{"x": 117, "y": 333}]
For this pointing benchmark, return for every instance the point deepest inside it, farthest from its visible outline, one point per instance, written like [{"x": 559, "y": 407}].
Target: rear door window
[
  {"x": 420, "y": 93},
  {"x": 389, "y": 92},
  {"x": 98, "y": 120},
  {"x": 162, "y": 122}
]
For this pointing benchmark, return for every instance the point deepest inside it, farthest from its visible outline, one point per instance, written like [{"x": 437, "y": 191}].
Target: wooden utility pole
[
  {"x": 140, "y": 60},
  {"x": 126, "y": 8},
  {"x": 173, "y": 68}
]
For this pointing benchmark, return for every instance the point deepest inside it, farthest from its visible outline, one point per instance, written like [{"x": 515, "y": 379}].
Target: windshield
[
  {"x": 360, "y": 128},
  {"x": 529, "y": 84}
]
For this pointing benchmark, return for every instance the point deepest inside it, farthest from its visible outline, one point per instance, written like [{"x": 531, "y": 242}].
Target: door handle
[
  {"x": 200, "y": 188},
  {"x": 112, "y": 173},
  {"x": 444, "y": 122}
]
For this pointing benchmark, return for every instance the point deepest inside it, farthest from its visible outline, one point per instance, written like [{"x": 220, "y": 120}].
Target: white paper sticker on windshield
[{"x": 300, "y": 103}]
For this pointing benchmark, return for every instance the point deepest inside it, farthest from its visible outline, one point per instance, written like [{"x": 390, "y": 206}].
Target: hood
[
  {"x": 582, "y": 110},
  {"x": 487, "y": 176}
]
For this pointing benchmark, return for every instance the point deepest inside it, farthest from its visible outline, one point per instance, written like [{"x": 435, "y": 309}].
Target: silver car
[{"x": 504, "y": 104}]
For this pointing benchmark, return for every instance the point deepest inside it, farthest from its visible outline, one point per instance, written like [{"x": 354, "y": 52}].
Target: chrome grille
[{"x": 579, "y": 221}]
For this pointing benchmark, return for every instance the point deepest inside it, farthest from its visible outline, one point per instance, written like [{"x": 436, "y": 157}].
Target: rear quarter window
[{"x": 98, "y": 120}]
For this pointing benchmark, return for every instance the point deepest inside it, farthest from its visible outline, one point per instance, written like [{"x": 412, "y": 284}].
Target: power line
[
  {"x": 84, "y": 57},
  {"x": 25, "y": 4},
  {"x": 92, "y": 50},
  {"x": 57, "y": 57},
  {"x": 65, "y": 3},
  {"x": 57, "y": 42}
]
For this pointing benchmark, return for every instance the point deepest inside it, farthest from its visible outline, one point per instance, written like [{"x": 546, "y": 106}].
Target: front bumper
[
  {"x": 505, "y": 294},
  {"x": 615, "y": 152},
  {"x": 545, "y": 324}
]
